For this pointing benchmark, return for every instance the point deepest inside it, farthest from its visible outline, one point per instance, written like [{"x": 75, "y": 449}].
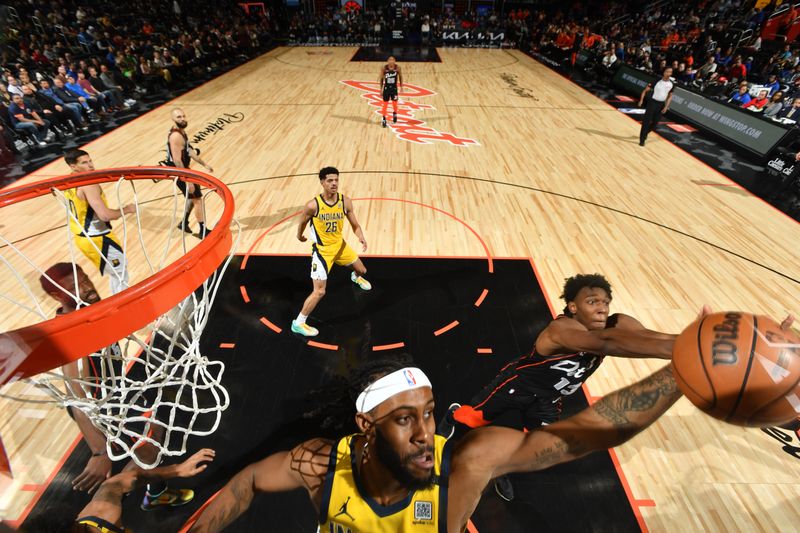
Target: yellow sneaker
[{"x": 168, "y": 498}]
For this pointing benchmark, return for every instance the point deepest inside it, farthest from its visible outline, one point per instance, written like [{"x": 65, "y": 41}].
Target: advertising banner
[{"x": 739, "y": 126}]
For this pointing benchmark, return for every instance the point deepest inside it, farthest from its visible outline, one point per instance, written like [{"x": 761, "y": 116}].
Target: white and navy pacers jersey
[
  {"x": 560, "y": 375},
  {"x": 390, "y": 79}
]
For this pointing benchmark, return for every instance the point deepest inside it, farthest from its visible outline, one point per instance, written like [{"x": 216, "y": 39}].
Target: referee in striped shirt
[{"x": 658, "y": 103}]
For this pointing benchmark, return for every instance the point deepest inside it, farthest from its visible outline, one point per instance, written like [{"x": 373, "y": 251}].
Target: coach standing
[{"x": 657, "y": 104}]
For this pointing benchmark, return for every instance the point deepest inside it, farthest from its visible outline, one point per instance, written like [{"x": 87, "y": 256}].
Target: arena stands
[
  {"x": 122, "y": 58},
  {"x": 83, "y": 68}
]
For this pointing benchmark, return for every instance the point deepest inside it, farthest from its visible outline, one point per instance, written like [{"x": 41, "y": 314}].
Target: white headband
[{"x": 389, "y": 385}]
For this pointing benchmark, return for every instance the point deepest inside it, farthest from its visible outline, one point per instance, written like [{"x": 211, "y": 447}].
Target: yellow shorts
[
  {"x": 324, "y": 257},
  {"x": 102, "y": 250}
]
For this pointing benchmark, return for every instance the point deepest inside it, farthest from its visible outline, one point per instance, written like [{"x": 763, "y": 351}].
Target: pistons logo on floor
[
  {"x": 408, "y": 127},
  {"x": 788, "y": 436}
]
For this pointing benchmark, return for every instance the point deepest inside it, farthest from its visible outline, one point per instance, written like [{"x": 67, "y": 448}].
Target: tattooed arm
[
  {"x": 616, "y": 418},
  {"x": 303, "y": 467}
]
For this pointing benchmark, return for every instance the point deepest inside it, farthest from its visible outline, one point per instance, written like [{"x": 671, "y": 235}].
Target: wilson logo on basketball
[
  {"x": 408, "y": 128},
  {"x": 723, "y": 347}
]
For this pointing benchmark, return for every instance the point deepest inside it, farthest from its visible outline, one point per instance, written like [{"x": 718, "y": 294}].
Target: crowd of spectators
[
  {"x": 68, "y": 63},
  {"x": 712, "y": 47},
  {"x": 701, "y": 41},
  {"x": 69, "y": 66},
  {"x": 373, "y": 26}
]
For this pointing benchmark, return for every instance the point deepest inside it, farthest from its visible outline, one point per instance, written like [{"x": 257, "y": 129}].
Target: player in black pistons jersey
[
  {"x": 528, "y": 392},
  {"x": 179, "y": 154},
  {"x": 391, "y": 79}
]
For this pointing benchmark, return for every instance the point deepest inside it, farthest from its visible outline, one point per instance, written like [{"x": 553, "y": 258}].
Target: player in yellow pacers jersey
[
  {"x": 89, "y": 221},
  {"x": 396, "y": 476},
  {"x": 325, "y": 216}
]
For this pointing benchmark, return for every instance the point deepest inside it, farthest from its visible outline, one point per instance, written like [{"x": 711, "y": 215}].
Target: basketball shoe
[
  {"x": 304, "y": 329},
  {"x": 361, "y": 282},
  {"x": 167, "y": 498}
]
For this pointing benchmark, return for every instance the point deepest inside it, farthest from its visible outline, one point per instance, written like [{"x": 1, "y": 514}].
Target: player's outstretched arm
[
  {"x": 303, "y": 467},
  {"x": 616, "y": 418},
  {"x": 192, "y": 466},
  {"x": 568, "y": 335},
  {"x": 107, "y": 502}
]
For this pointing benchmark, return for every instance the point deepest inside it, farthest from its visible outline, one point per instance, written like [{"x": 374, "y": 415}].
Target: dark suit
[
  {"x": 790, "y": 112},
  {"x": 48, "y": 109},
  {"x": 112, "y": 93},
  {"x": 66, "y": 95},
  {"x": 72, "y": 98}
]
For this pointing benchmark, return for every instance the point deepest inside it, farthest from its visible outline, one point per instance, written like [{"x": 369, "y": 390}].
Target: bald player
[{"x": 179, "y": 154}]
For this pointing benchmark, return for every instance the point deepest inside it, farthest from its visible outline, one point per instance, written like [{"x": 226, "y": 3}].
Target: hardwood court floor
[{"x": 556, "y": 175}]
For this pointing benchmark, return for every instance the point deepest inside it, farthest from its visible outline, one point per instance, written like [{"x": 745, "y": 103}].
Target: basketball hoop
[{"x": 149, "y": 381}]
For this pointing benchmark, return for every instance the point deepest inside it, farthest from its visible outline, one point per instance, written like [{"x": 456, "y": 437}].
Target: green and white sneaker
[
  {"x": 304, "y": 329},
  {"x": 361, "y": 282}
]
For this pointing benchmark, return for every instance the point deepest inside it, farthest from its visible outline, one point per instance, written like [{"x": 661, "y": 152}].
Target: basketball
[{"x": 740, "y": 368}]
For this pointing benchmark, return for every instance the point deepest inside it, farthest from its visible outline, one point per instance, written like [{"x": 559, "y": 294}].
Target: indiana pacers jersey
[
  {"x": 83, "y": 220},
  {"x": 96, "y": 240},
  {"x": 326, "y": 225},
  {"x": 347, "y": 509}
]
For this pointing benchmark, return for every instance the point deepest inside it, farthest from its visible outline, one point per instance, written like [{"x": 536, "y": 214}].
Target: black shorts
[
  {"x": 509, "y": 400},
  {"x": 183, "y": 188},
  {"x": 182, "y": 184},
  {"x": 389, "y": 94}
]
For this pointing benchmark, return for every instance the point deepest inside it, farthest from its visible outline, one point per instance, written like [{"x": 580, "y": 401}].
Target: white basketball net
[{"x": 154, "y": 386}]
